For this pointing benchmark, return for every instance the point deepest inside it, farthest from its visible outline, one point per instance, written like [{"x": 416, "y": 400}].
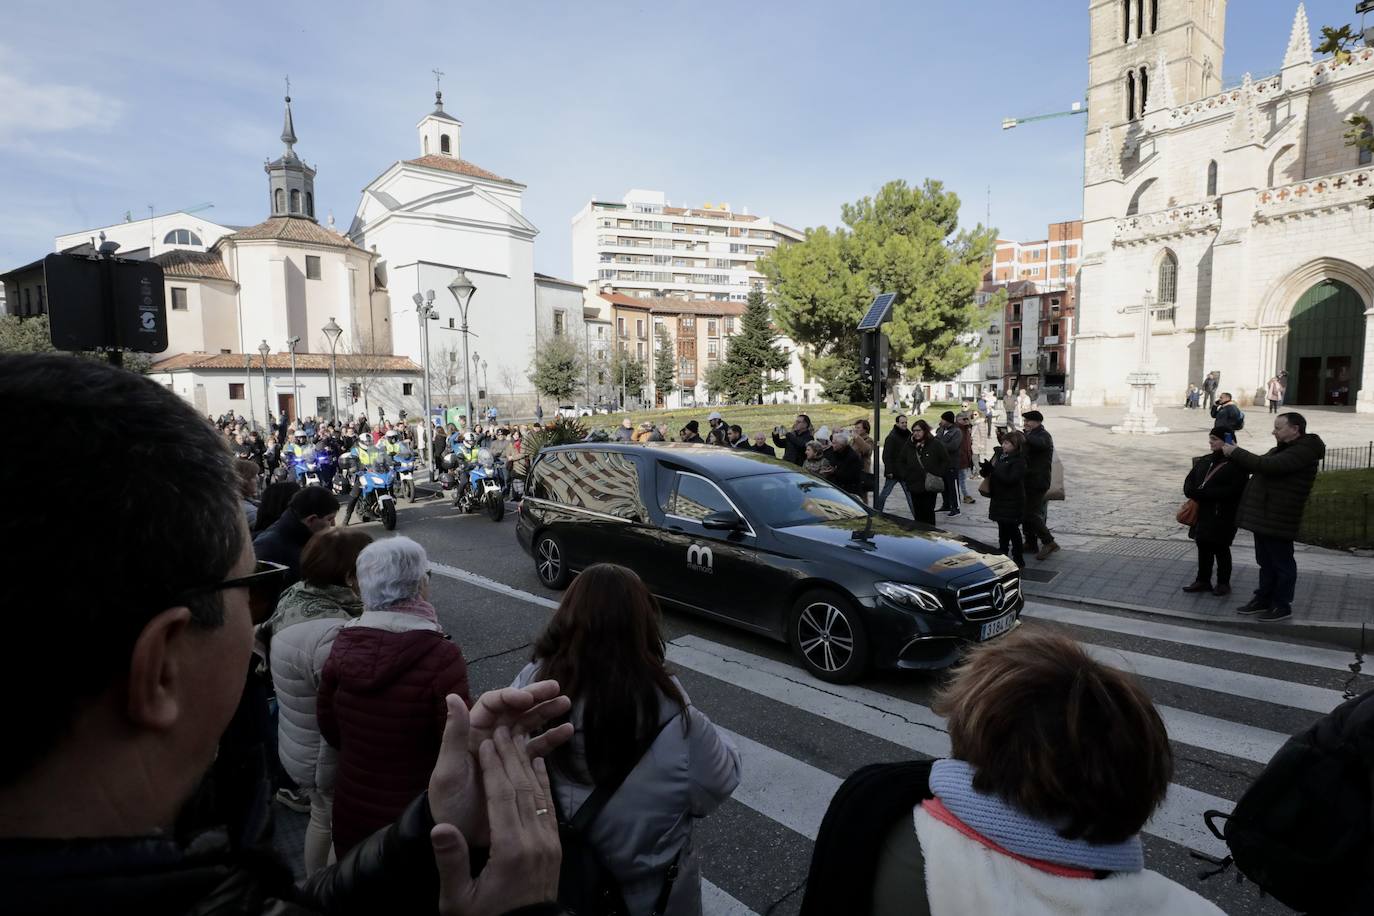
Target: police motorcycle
[
  {"x": 308, "y": 469},
  {"x": 485, "y": 478},
  {"x": 378, "y": 501},
  {"x": 405, "y": 474}
]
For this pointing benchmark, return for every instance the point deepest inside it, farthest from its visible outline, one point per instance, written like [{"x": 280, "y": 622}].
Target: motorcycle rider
[
  {"x": 366, "y": 457},
  {"x": 391, "y": 442},
  {"x": 296, "y": 453},
  {"x": 465, "y": 457}
]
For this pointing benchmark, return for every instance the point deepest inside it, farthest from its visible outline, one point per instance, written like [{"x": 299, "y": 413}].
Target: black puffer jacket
[
  {"x": 922, "y": 458},
  {"x": 895, "y": 456},
  {"x": 1217, "y": 498},
  {"x": 1007, "y": 476},
  {"x": 793, "y": 445},
  {"x": 1277, "y": 493}
]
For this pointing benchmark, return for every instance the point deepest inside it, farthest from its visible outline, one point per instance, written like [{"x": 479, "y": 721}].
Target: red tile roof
[
  {"x": 293, "y": 229},
  {"x": 461, "y": 166},
  {"x": 204, "y": 265},
  {"x": 281, "y": 362},
  {"x": 674, "y": 305}
]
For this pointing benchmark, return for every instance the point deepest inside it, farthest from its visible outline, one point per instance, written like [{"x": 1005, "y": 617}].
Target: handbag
[
  {"x": 933, "y": 482},
  {"x": 1187, "y": 514},
  {"x": 985, "y": 487}
]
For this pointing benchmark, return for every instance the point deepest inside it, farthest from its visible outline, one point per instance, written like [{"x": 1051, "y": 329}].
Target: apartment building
[
  {"x": 1053, "y": 260},
  {"x": 1037, "y": 326},
  {"x": 642, "y": 247}
]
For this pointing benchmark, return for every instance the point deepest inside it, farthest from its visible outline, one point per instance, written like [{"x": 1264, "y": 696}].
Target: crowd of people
[{"x": 141, "y": 777}]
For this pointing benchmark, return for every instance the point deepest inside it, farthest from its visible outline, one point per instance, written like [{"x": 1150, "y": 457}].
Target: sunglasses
[{"x": 266, "y": 580}]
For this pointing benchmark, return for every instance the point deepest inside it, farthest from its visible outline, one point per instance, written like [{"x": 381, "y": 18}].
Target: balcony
[
  {"x": 1050, "y": 340},
  {"x": 1341, "y": 191},
  {"x": 1186, "y": 220}
]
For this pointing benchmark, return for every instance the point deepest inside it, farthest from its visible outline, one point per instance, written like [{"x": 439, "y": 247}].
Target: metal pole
[
  {"x": 295, "y": 392},
  {"x": 467, "y": 373},
  {"x": 266, "y": 402},
  {"x": 248, "y": 389},
  {"x": 877, "y": 413},
  {"x": 334, "y": 381},
  {"x": 428, "y": 425}
]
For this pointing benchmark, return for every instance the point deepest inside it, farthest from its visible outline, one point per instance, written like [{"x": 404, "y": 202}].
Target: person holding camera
[
  {"x": 793, "y": 443},
  {"x": 1214, "y": 485}
]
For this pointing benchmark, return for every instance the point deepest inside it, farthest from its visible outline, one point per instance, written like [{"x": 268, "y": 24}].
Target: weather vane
[
  {"x": 438, "y": 75},
  {"x": 288, "y": 87}
]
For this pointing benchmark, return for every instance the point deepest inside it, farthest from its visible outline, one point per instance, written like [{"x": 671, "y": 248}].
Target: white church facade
[{"x": 1244, "y": 213}]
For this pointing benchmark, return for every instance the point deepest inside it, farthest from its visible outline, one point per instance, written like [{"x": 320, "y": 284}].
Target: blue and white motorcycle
[
  {"x": 405, "y": 475},
  {"x": 486, "y": 489},
  {"x": 377, "y": 500}
]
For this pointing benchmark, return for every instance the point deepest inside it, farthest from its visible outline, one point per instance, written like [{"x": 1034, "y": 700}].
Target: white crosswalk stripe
[{"x": 794, "y": 793}]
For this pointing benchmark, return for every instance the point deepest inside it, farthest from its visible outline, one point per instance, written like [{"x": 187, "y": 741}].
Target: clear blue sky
[{"x": 789, "y": 107}]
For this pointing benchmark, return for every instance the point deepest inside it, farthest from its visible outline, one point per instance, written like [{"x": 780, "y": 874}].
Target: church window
[
  {"x": 1144, "y": 90},
  {"x": 1212, "y": 178},
  {"x": 179, "y": 299},
  {"x": 1139, "y": 196},
  {"x": 1168, "y": 278},
  {"x": 444, "y": 144},
  {"x": 1130, "y": 96},
  {"x": 309, "y": 203},
  {"x": 279, "y": 202},
  {"x": 181, "y": 237},
  {"x": 426, "y": 146},
  {"x": 1154, "y": 16},
  {"x": 295, "y": 201},
  {"x": 1139, "y": 18},
  {"x": 312, "y": 267},
  {"x": 1126, "y": 21}
]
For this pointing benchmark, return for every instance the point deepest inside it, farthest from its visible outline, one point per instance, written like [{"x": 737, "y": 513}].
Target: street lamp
[
  {"x": 477, "y": 365},
  {"x": 463, "y": 289},
  {"x": 424, "y": 310},
  {"x": 295, "y": 392},
  {"x": 264, "y": 349},
  {"x": 486, "y": 382},
  {"x": 333, "y": 331}
]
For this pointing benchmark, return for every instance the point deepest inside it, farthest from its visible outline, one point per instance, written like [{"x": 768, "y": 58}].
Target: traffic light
[{"x": 873, "y": 347}]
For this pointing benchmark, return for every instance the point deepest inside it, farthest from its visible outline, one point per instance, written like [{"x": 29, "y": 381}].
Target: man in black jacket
[
  {"x": 143, "y": 661},
  {"x": 1039, "y": 474},
  {"x": 895, "y": 470},
  {"x": 1227, "y": 414},
  {"x": 793, "y": 443},
  {"x": 952, "y": 438},
  {"x": 311, "y": 509},
  {"x": 843, "y": 466}
]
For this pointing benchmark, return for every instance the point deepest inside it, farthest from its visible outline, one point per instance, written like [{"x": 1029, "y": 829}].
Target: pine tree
[
  {"x": 665, "y": 364},
  {"x": 752, "y": 357},
  {"x": 558, "y": 369}
]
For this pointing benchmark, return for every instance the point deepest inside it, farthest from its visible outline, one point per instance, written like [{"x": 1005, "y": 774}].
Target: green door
[{"x": 1326, "y": 346}]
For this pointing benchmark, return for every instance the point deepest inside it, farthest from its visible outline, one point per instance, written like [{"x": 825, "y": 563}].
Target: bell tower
[
  {"x": 1131, "y": 40},
  {"x": 291, "y": 183}
]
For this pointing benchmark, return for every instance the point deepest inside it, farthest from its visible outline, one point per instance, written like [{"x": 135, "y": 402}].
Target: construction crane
[
  {"x": 1077, "y": 109},
  {"x": 129, "y": 214}
]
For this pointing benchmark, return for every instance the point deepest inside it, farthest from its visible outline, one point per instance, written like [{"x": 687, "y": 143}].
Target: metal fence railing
[
  {"x": 1355, "y": 458},
  {"x": 1341, "y": 521}
]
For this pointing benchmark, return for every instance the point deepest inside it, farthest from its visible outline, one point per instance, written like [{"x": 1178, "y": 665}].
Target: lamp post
[
  {"x": 463, "y": 289},
  {"x": 264, "y": 349},
  {"x": 248, "y": 388},
  {"x": 477, "y": 367},
  {"x": 291, "y": 343},
  {"x": 333, "y": 331},
  {"x": 486, "y": 382},
  {"x": 424, "y": 309}
]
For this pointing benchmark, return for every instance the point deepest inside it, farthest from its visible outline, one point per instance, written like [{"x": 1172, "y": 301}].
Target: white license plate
[
  {"x": 406, "y": 475},
  {"x": 996, "y": 627}
]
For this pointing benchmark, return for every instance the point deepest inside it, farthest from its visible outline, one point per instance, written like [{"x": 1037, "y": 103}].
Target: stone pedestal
[{"x": 1140, "y": 420}]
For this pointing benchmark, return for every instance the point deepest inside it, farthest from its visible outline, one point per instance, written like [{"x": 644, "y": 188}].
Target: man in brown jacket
[{"x": 1271, "y": 507}]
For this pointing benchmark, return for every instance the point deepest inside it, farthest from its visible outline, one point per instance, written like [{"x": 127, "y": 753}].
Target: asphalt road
[{"x": 1228, "y": 698}]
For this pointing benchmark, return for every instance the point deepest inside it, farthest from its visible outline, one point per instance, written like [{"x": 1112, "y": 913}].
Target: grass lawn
[
  {"x": 1340, "y": 511},
  {"x": 763, "y": 417}
]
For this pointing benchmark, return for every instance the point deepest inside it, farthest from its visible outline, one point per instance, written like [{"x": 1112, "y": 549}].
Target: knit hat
[
  {"x": 947, "y": 416},
  {"x": 693, "y": 425},
  {"x": 1220, "y": 433}
]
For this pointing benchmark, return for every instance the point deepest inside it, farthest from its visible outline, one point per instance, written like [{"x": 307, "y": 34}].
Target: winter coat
[
  {"x": 282, "y": 542},
  {"x": 382, "y": 706},
  {"x": 1217, "y": 499},
  {"x": 965, "y": 446},
  {"x": 793, "y": 445},
  {"x": 1006, "y": 474},
  {"x": 1282, "y": 478},
  {"x": 300, "y": 635},
  {"x": 716, "y": 434},
  {"x": 1227, "y": 416},
  {"x": 683, "y": 777},
  {"x": 762, "y": 449},
  {"x": 998, "y": 413},
  {"x": 1039, "y": 460},
  {"x": 895, "y": 453},
  {"x": 952, "y": 438},
  {"x": 846, "y": 469},
  {"x": 392, "y": 871},
  {"x": 928, "y": 457},
  {"x": 864, "y": 446}
]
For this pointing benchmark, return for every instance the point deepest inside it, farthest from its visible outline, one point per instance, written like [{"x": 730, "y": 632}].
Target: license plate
[
  {"x": 996, "y": 627},
  {"x": 406, "y": 475}
]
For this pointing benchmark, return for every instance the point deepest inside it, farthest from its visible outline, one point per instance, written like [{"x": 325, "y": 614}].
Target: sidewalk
[{"x": 1335, "y": 589}]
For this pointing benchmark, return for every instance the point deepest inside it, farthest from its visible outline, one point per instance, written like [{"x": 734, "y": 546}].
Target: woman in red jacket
[{"x": 382, "y": 692}]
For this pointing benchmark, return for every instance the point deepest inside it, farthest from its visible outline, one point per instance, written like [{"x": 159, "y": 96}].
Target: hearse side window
[
  {"x": 695, "y": 498},
  {"x": 599, "y": 481}
]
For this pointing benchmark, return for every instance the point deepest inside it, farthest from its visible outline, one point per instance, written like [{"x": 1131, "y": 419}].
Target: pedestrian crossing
[{"x": 1218, "y": 710}]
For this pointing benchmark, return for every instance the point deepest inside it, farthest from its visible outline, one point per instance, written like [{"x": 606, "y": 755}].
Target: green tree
[
  {"x": 557, "y": 369},
  {"x": 717, "y": 379},
  {"x": 25, "y": 335},
  {"x": 904, "y": 240},
  {"x": 665, "y": 364},
  {"x": 1338, "y": 43},
  {"x": 628, "y": 374},
  {"x": 752, "y": 357}
]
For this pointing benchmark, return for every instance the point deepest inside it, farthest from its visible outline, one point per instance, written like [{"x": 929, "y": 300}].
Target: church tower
[
  {"x": 440, "y": 131},
  {"x": 1131, "y": 40},
  {"x": 290, "y": 181}
]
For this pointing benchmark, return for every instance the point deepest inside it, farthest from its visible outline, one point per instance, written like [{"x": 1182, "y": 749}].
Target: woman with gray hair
[{"x": 382, "y": 691}]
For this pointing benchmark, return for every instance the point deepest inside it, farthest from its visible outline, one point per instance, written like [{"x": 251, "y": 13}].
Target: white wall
[
  {"x": 209, "y": 392},
  {"x": 148, "y": 233}
]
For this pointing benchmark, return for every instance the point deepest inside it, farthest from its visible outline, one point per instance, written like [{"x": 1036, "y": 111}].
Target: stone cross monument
[{"x": 1140, "y": 420}]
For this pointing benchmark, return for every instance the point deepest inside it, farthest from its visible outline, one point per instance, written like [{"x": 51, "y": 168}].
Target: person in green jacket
[{"x": 1271, "y": 508}]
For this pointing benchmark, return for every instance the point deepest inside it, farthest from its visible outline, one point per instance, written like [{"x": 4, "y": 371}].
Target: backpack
[
  {"x": 1240, "y": 419},
  {"x": 586, "y": 887},
  {"x": 1302, "y": 831}
]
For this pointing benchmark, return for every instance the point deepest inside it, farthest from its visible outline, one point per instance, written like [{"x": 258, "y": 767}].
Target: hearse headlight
[{"x": 910, "y": 596}]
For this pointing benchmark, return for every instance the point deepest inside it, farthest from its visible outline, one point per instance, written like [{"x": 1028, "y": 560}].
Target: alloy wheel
[
  {"x": 825, "y": 636},
  {"x": 550, "y": 562}
]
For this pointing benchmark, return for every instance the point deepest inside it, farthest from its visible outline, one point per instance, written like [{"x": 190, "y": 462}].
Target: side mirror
[{"x": 724, "y": 520}]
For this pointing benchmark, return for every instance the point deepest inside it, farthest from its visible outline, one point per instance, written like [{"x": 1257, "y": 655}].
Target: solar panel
[{"x": 879, "y": 312}]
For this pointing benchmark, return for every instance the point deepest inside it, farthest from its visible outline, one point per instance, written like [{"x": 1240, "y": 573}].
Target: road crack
[
  {"x": 783, "y": 899},
  {"x": 473, "y": 661}
]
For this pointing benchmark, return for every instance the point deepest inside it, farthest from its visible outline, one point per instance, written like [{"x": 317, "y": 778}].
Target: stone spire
[
  {"x": 1105, "y": 162},
  {"x": 1161, "y": 87},
  {"x": 288, "y": 131},
  {"x": 1245, "y": 124},
  {"x": 1300, "y": 41}
]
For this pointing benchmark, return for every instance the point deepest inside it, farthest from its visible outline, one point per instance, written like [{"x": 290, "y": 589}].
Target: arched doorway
[{"x": 1326, "y": 346}]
